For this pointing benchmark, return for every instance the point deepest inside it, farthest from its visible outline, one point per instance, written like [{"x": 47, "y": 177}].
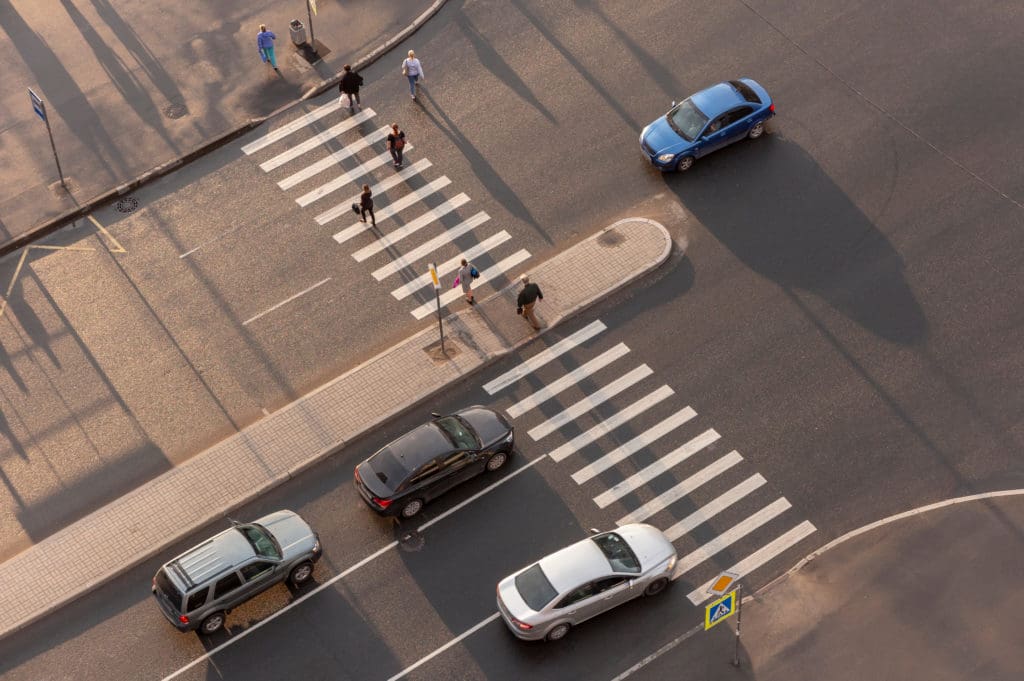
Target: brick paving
[{"x": 144, "y": 522}]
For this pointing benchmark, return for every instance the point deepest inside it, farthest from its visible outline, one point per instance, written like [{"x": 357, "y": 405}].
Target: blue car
[{"x": 706, "y": 122}]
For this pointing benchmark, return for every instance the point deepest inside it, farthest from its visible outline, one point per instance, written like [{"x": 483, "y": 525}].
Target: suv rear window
[
  {"x": 534, "y": 587},
  {"x": 745, "y": 90},
  {"x": 165, "y": 586}
]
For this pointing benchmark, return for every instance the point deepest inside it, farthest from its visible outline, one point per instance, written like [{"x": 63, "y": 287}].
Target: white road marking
[
  {"x": 400, "y": 263},
  {"x": 346, "y": 178},
  {"x": 423, "y": 660},
  {"x": 316, "y": 141},
  {"x": 214, "y": 239},
  {"x": 611, "y": 423},
  {"x": 732, "y": 535},
  {"x": 285, "y": 301},
  {"x": 333, "y": 159},
  {"x": 757, "y": 558},
  {"x": 669, "y": 497},
  {"x": 393, "y": 237},
  {"x": 490, "y": 273},
  {"x": 544, "y": 356},
  {"x": 656, "y": 468},
  {"x": 591, "y": 401},
  {"x": 392, "y": 208},
  {"x": 451, "y": 265},
  {"x": 570, "y": 379},
  {"x": 714, "y": 507},
  {"x": 285, "y": 130}
]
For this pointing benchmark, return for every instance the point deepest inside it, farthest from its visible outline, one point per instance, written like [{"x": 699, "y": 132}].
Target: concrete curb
[
  {"x": 163, "y": 169},
  {"x": 484, "y": 360}
]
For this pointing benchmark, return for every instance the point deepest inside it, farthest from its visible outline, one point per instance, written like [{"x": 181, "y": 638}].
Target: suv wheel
[
  {"x": 212, "y": 624},
  {"x": 496, "y": 461},
  {"x": 412, "y": 507},
  {"x": 301, "y": 573}
]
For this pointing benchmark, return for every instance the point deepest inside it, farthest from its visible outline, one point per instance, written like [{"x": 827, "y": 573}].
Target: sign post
[
  {"x": 437, "y": 297},
  {"x": 40, "y": 108},
  {"x": 723, "y": 608},
  {"x": 310, "y": 11}
]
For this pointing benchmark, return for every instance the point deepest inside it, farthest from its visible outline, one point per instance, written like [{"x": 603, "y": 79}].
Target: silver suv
[{"x": 197, "y": 589}]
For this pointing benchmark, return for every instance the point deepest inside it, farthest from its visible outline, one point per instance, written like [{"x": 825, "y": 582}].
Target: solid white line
[
  {"x": 611, "y": 423},
  {"x": 491, "y": 272},
  {"x": 382, "y": 213},
  {"x": 315, "y": 141},
  {"x": 757, "y": 559},
  {"x": 393, "y": 237},
  {"x": 732, "y": 535},
  {"x": 286, "y": 301},
  {"x": 446, "y": 646},
  {"x": 656, "y": 468},
  {"x": 544, "y": 356},
  {"x": 570, "y": 379},
  {"x": 591, "y": 401},
  {"x": 400, "y": 263},
  {"x": 714, "y": 507},
  {"x": 235, "y": 638},
  {"x": 659, "y": 652},
  {"x": 297, "y": 124},
  {"x": 333, "y": 159},
  {"x": 346, "y": 178},
  {"x": 669, "y": 497},
  {"x": 452, "y": 265}
]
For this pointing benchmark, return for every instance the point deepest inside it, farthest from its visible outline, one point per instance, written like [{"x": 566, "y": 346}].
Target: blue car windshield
[{"x": 687, "y": 120}]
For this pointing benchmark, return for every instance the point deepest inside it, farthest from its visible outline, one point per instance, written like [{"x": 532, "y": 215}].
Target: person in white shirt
[{"x": 413, "y": 70}]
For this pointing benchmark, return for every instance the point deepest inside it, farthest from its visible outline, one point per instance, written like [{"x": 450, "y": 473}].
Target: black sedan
[{"x": 431, "y": 459}]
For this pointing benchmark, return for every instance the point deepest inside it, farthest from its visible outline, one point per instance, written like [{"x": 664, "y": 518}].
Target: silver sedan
[{"x": 546, "y": 599}]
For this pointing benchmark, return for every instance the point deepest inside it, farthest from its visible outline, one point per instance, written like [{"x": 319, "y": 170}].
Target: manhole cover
[
  {"x": 176, "y": 111},
  {"x": 126, "y": 205}
]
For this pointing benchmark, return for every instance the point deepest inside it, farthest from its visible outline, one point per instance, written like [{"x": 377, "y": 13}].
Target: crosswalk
[
  {"x": 324, "y": 156},
  {"x": 670, "y": 474}
]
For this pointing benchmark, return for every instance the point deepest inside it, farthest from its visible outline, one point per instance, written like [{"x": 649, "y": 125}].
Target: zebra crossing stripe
[
  {"x": 451, "y": 265},
  {"x": 570, "y": 379},
  {"x": 757, "y": 558},
  {"x": 662, "y": 465},
  {"x": 333, "y": 159},
  {"x": 714, "y": 507},
  {"x": 412, "y": 227},
  {"x": 490, "y": 273},
  {"x": 611, "y": 423},
  {"x": 346, "y": 178},
  {"x": 590, "y": 402},
  {"x": 684, "y": 488},
  {"x": 544, "y": 356},
  {"x": 297, "y": 124},
  {"x": 316, "y": 140},
  {"x": 381, "y": 187},
  {"x": 401, "y": 262},
  {"x": 731, "y": 536}
]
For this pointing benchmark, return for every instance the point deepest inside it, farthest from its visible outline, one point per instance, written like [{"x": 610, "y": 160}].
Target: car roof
[
  {"x": 419, "y": 446},
  {"x": 717, "y": 99},
  {"x": 574, "y": 565},
  {"x": 211, "y": 558}
]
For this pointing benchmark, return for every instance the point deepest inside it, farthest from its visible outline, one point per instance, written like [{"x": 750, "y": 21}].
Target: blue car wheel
[
  {"x": 756, "y": 131},
  {"x": 684, "y": 163}
]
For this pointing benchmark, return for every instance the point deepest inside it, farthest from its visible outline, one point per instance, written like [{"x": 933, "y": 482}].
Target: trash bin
[{"x": 298, "y": 31}]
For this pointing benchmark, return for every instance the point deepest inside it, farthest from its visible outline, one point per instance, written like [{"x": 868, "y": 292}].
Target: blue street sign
[
  {"x": 720, "y": 610},
  {"x": 37, "y": 104}
]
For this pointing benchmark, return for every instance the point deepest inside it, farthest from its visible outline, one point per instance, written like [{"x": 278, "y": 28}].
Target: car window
[
  {"x": 687, "y": 120},
  {"x": 607, "y": 583},
  {"x": 459, "y": 432},
  {"x": 715, "y": 126},
  {"x": 227, "y": 584},
  {"x": 534, "y": 587},
  {"x": 263, "y": 543},
  {"x": 388, "y": 468},
  {"x": 746, "y": 91},
  {"x": 585, "y": 591},
  {"x": 455, "y": 460},
  {"x": 737, "y": 115},
  {"x": 167, "y": 588},
  {"x": 197, "y": 599},
  {"x": 254, "y": 570},
  {"x": 617, "y": 551},
  {"x": 425, "y": 472}
]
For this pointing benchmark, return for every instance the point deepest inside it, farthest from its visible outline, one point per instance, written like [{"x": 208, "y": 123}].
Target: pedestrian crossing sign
[{"x": 720, "y": 610}]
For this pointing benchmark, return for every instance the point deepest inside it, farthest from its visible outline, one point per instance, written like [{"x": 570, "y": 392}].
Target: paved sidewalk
[
  {"x": 934, "y": 596},
  {"x": 142, "y": 523}
]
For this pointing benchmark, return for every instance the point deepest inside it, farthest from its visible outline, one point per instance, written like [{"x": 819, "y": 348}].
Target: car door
[
  {"x": 737, "y": 124},
  {"x": 457, "y": 467},
  {"x": 228, "y": 591},
  {"x": 260, "y": 575},
  {"x": 713, "y": 136}
]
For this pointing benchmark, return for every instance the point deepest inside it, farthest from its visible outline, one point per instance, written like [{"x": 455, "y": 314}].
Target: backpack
[{"x": 474, "y": 273}]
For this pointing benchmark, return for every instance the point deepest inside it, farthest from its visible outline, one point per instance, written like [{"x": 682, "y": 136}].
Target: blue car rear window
[{"x": 746, "y": 91}]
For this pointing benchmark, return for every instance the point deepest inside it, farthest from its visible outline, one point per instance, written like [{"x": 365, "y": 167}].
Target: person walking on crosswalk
[
  {"x": 413, "y": 70},
  {"x": 366, "y": 205},
  {"x": 265, "y": 44},
  {"x": 349, "y": 85},
  {"x": 528, "y": 297},
  {"x": 396, "y": 142},
  {"x": 465, "y": 276}
]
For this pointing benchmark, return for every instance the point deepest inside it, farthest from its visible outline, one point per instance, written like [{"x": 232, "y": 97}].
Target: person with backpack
[
  {"x": 349, "y": 85},
  {"x": 396, "y": 142},
  {"x": 465, "y": 276}
]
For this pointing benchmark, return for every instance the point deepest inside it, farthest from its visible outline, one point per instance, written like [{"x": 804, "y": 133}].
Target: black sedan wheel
[
  {"x": 412, "y": 507},
  {"x": 756, "y": 131},
  {"x": 684, "y": 164},
  {"x": 496, "y": 461}
]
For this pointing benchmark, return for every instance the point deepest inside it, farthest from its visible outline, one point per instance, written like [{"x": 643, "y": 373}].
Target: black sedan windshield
[
  {"x": 461, "y": 435},
  {"x": 687, "y": 120}
]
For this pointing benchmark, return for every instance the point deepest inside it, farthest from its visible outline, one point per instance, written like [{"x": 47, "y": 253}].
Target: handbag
[
  {"x": 355, "y": 209},
  {"x": 399, "y": 143},
  {"x": 405, "y": 69}
]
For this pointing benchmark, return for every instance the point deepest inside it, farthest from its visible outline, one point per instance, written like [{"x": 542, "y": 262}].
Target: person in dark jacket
[
  {"x": 396, "y": 142},
  {"x": 349, "y": 85},
  {"x": 366, "y": 205},
  {"x": 528, "y": 297}
]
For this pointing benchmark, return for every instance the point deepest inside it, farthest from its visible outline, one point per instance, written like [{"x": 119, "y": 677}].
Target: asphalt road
[{"x": 845, "y": 316}]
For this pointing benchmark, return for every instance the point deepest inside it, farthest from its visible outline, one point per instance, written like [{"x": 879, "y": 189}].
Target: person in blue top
[{"x": 265, "y": 43}]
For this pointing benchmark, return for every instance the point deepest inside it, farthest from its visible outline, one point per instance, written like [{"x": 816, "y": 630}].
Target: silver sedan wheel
[
  {"x": 656, "y": 587},
  {"x": 756, "y": 131},
  {"x": 559, "y": 632},
  {"x": 497, "y": 461}
]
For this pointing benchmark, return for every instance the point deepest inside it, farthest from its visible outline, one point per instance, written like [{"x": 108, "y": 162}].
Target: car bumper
[
  {"x": 530, "y": 635},
  {"x": 172, "y": 617},
  {"x": 653, "y": 160},
  {"x": 365, "y": 495}
]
